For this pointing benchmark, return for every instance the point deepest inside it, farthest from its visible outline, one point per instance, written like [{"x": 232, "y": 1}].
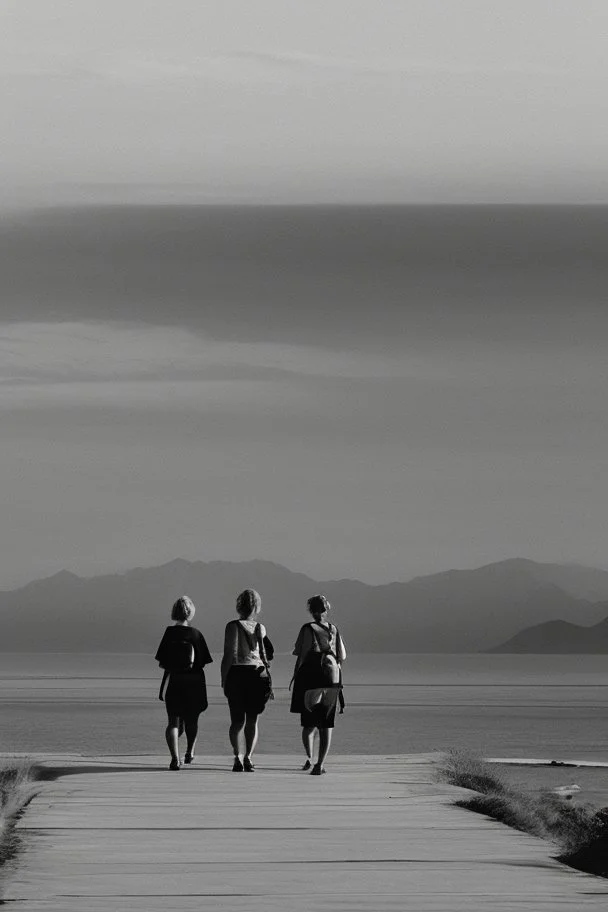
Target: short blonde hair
[
  {"x": 183, "y": 609},
  {"x": 248, "y": 602}
]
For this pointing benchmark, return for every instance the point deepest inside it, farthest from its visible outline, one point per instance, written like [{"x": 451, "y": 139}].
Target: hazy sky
[
  {"x": 397, "y": 100},
  {"x": 356, "y": 392},
  {"x": 373, "y": 393}
]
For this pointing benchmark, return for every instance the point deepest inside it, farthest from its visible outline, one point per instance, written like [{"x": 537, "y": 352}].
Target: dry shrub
[
  {"x": 571, "y": 827},
  {"x": 471, "y": 772},
  {"x": 16, "y": 791}
]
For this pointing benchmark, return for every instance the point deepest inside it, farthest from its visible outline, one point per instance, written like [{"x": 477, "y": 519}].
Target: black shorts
[{"x": 245, "y": 690}]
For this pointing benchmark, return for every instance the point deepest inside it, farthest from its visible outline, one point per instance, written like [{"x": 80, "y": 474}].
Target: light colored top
[
  {"x": 241, "y": 646},
  {"x": 329, "y": 638}
]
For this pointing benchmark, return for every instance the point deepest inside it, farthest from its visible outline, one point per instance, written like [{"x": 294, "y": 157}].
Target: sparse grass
[
  {"x": 16, "y": 791},
  {"x": 573, "y": 828},
  {"x": 471, "y": 772}
]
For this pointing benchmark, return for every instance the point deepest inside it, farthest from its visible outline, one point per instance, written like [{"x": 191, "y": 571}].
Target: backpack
[
  {"x": 180, "y": 656},
  {"x": 329, "y": 667}
]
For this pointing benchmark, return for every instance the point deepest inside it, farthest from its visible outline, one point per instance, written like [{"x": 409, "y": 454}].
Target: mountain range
[{"x": 453, "y": 611}]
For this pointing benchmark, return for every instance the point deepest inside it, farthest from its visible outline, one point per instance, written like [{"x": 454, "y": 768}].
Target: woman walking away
[
  {"x": 246, "y": 677},
  {"x": 183, "y": 654},
  {"x": 317, "y": 681}
]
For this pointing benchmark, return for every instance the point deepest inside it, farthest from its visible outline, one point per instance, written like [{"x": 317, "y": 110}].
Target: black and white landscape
[
  {"x": 303, "y": 296},
  {"x": 455, "y": 611},
  {"x": 369, "y": 392}
]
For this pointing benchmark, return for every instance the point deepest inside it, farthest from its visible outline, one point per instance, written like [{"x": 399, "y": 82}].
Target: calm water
[{"x": 553, "y": 707}]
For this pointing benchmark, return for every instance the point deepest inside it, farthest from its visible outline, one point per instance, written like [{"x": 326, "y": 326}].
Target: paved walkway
[{"x": 118, "y": 834}]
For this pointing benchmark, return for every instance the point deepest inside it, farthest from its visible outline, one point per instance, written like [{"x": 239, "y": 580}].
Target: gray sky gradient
[
  {"x": 375, "y": 393},
  {"x": 278, "y": 101}
]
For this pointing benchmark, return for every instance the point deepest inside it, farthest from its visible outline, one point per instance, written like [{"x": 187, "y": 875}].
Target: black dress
[{"x": 186, "y": 694}]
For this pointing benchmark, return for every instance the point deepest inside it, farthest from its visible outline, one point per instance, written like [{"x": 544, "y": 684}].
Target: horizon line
[{"x": 65, "y": 572}]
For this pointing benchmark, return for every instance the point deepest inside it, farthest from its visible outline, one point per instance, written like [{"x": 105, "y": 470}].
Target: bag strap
[
  {"x": 315, "y": 636},
  {"x": 260, "y": 639},
  {"x": 317, "y": 643},
  {"x": 333, "y": 631},
  {"x": 241, "y": 631},
  {"x": 263, "y": 656}
]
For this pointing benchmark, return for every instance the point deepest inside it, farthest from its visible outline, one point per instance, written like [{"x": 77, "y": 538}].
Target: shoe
[
  {"x": 188, "y": 758},
  {"x": 248, "y": 766},
  {"x": 307, "y": 766},
  {"x": 317, "y": 770},
  {"x": 237, "y": 766},
  {"x": 174, "y": 765}
]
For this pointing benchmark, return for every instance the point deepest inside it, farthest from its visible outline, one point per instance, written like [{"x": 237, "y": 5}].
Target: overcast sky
[
  {"x": 371, "y": 393},
  {"x": 350, "y": 100},
  {"x": 360, "y": 392}
]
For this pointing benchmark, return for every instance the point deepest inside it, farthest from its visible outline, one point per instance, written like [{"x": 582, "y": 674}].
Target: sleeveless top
[
  {"x": 327, "y": 637},
  {"x": 243, "y": 642}
]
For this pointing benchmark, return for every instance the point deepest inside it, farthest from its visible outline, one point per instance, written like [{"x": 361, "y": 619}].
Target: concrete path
[{"x": 118, "y": 834}]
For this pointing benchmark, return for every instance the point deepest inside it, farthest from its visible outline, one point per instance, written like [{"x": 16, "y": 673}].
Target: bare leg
[
  {"x": 308, "y": 740},
  {"x": 191, "y": 726},
  {"x": 251, "y": 733},
  {"x": 171, "y": 736},
  {"x": 324, "y": 744},
  {"x": 237, "y": 723}
]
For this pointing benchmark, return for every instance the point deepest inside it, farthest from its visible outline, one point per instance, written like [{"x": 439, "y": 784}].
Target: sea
[{"x": 513, "y": 707}]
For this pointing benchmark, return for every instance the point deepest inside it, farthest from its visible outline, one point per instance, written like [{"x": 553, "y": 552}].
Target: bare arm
[
  {"x": 231, "y": 645},
  {"x": 340, "y": 648}
]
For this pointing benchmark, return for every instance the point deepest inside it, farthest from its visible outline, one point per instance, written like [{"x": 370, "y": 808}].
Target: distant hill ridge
[
  {"x": 559, "y": 638},
  {"x": 452, "y": 611}
]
